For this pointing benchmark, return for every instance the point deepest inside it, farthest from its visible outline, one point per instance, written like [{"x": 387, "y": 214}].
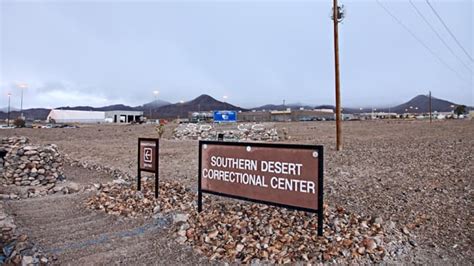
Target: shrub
[{"x": 19, "y": 122}]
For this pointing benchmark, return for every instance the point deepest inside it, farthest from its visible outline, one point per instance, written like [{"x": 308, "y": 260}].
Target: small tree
[
  {"x": 19, "y": 122},
  {"x": 160, "y": 130},
  {"x": 460, "y": 109}
]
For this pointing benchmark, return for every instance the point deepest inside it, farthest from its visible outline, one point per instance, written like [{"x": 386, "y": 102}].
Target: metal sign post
[
  {"x": 282, "y": 175},
  {"x": 148, "y": 160}
]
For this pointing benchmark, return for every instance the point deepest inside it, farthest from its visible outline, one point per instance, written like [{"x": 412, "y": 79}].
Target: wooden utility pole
[
  {"x": 430, "y": 107},
  {"x": 335, "y": 17}
]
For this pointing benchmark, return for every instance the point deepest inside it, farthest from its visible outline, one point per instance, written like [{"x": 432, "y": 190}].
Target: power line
[
  {"x": 421, "y": 42},
  {"x": 439, "y": 36},
  {"x": 450, "y": 32}
]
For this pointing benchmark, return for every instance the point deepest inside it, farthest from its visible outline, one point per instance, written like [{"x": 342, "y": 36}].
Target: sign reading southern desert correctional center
[
  {"x": 148, "y": 160},
  {"x": 283, "y": 175}
]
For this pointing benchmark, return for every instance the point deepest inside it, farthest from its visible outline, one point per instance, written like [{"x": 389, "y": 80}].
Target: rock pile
[
  {"x": 29, "y": 165},
  {"x": 16, "y": 249},
  {"x": 252, "y": 233},
  {"x": 241, "y": 132},
  {"x": 115, "y": 173},
  {"x": 124, "y": 199}
]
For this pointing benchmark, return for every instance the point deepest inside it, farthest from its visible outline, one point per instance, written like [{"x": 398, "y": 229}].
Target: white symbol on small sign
[{"x": 147, "y": 155}]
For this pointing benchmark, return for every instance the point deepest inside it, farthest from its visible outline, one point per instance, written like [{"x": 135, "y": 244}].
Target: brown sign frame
[
  {"x": 156, "y": 166},
  {"x": 320, "y": 192}
]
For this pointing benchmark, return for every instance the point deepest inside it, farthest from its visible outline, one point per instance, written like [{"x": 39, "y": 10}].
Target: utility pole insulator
[{"x": 340, "y": 13}]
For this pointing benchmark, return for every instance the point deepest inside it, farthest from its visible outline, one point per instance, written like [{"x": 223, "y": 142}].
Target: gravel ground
[
  {"x": 70, "y": 234},
  {"x": 415, "y": 174}
]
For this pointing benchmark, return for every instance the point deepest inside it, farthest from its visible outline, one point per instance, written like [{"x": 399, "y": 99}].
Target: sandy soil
[{"x": 416, "y": 174}]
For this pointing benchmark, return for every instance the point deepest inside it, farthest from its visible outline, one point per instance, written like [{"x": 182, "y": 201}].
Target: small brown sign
[
  {"x": 286, "y": 175},
  {"x": 148, "y": 155},
  {"x": 148, "y": 150}
]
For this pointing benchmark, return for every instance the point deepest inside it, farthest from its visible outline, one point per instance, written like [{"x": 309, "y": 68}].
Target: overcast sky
[{"x": 255, "y": 52}]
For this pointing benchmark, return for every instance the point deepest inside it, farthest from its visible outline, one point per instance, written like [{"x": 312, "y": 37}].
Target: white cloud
[{"x": 56, "y": 98}]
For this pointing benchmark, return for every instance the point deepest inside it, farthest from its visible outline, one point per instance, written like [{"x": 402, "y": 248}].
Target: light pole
[
  {"x": 155, "y": 102},
  {"x": 8, "y": 115},
  {"x": 225, "y": 97},
  {"x": 180, "y": 108},
  {"x": 22, "y": 87}
]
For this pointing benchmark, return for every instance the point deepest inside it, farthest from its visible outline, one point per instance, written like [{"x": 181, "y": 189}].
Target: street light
[
  {"x": 225, "y": 97},
  {"x": 22, "y": 86},
  {"x": 180, "y": 108},
  {"x": 8, "y": 116},
  {"x": 156, "y": 98},
  {"x": 373, "y": 109}
]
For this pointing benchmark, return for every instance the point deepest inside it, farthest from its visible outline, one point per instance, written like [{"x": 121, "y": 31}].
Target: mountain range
[
  {"x": 164, "y": 109},
  {"x": 418, "y": 104}
]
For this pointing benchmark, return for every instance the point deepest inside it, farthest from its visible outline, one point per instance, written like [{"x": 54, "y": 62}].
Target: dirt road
[{"x": 62, "y": 226}]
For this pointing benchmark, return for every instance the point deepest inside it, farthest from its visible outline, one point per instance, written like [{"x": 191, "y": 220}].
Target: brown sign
[
  {"x": 286, "y": 175},
  {"x": 148, "y": 155},
  {"x": 148, "y": 160}
]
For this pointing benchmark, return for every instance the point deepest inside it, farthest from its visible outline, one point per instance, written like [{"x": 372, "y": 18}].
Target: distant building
[
  {"x": 312, "y": 115},
  {"x": 376, "y": 115},
  {"x": 285, "y": 115},
  {"x": 124, "y": 116},
  {"x": 254, "y": 116},
  {"x": 195, "y": 117},
  {"x": 280, "y": 116},
  {"x": 75, "y": 116},
  {"x": 324, "y": 110}
]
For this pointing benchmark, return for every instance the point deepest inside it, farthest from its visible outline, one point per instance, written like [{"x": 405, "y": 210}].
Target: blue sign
[{"x": 225, "y": 116}]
